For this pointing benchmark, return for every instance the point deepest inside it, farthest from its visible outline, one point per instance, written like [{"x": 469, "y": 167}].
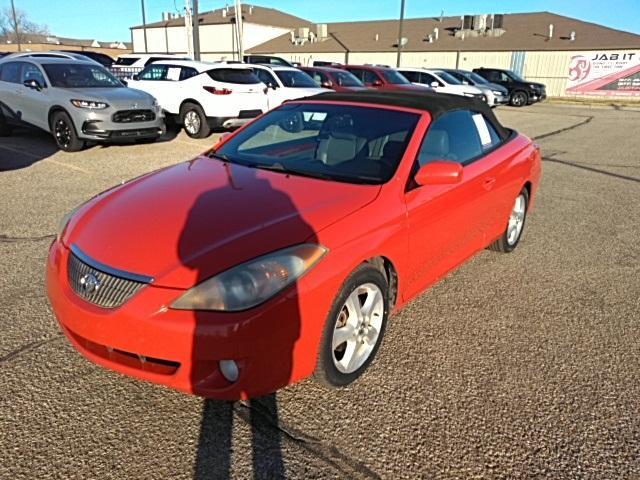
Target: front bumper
[
  {"x": 501, "y": 99},
  {"x": 100, "y": 126},
  {"x": 273, "y": 345},
  {"x": 537, "y": 96}
]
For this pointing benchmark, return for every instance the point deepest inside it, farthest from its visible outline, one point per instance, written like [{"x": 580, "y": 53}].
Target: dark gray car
[{"x": 76, "y": 101}]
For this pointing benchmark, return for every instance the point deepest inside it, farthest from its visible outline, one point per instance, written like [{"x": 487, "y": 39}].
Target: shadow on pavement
[{"x": 232, "y": 204}]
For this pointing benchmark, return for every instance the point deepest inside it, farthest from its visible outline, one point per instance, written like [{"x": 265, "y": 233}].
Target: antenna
[{"x": 441, "y": 15}]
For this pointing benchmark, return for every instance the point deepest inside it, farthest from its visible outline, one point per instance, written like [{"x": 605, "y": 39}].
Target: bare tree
[{"x": 15, "y": 25}]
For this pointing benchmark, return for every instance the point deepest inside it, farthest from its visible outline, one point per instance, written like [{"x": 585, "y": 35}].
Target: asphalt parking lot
[{"x": 515, "y": 366}]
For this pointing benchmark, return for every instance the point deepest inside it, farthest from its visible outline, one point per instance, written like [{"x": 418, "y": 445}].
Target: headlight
[
  {"x": 155, "y": 106},
  {"x": 535, "y": 87},
  {"x": 496, "y": 92},
  {"x": 252, "y": 282},
  {"x": 90, "y": 104}
]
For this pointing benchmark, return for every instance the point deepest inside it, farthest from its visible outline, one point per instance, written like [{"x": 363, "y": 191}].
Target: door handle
[{"x": 489, "y": 183}]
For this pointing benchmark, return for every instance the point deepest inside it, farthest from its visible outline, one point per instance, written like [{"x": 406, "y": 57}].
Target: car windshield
[
  {"x": 514, "y": 76},
  {"x": 475, "y": 78},
  {"x": 332, "y": 142},
  {"x": 394, "y": 77},
  {"x": 79, "y": 75},
  {"x": 347, "y": 79},
  {"x": 447, "y": 77},
  {"x": 295, "y": 79}
]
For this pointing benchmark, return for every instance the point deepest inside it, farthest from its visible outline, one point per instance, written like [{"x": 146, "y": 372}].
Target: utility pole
[
  {"x": 239, "y": 29},
  {"x": 15, "y": 26},
  {"x": 400, "y": 33},
  {"x": 196, "y": 32},
  {"x": 144, "y": 25},
  {"x": 188, "y": 27}
]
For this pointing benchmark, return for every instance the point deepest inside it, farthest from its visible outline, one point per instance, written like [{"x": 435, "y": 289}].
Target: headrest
[{"x": 437, "y": 143}]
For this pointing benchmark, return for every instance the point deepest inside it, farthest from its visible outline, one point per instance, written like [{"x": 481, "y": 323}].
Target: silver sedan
[{"x": 77, "y": 101}]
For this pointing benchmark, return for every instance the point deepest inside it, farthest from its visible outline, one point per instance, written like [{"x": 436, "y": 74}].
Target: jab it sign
[{"x": 606, "y": 73}]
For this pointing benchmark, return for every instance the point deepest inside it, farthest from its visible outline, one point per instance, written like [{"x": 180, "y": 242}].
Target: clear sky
[{"x": 111, "y": 19}]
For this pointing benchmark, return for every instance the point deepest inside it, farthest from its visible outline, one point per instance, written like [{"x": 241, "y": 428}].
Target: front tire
[
  {"x": 519, "y": 99},
  {"x": 194, "y": 120},
  {"x": 5, "y": 128},
  {"x": 510, "y": 238},
  {"x": 354, "y": 328},
  {"x": 64, "y": 133}
]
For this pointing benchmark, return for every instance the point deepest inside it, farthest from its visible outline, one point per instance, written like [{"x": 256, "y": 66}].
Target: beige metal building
[{"x": 553, "y": 49}]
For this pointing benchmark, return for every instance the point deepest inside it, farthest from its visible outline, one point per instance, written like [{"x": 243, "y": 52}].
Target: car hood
[
  {"x": 411, "y": 86},
  {"x": 117, "y": 96},
  {"x": 496, "y": 87},
  {"x": 190, "y": 221}
]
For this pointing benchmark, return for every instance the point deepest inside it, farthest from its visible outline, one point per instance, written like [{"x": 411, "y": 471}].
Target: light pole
[
  {"x": 15, "y": 26},
  {"x": 144, "y": 25},
  {"x": 400, "y": 33},
  {"x": 196, "y": 32}
]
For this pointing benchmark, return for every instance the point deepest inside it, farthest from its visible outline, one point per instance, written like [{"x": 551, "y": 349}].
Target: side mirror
[
  {"x": 435, "y": 84},
  {"x": 439, "y": 172},
  {"x": 326, "y": 84},
  {"x": 135, "y": 77},
  {"x": 33, "y": 84},
  {"x": 272, "y": 86},
  {"x": 377, "y": 83}
]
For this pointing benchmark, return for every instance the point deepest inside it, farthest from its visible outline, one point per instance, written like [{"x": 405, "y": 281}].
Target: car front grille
[
  {"x": 95, "y": 285},
  {"x": 133, "y": 116}
]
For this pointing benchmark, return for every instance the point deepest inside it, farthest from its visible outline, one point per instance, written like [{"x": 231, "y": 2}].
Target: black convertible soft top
[{"x": 434, "y": 103}]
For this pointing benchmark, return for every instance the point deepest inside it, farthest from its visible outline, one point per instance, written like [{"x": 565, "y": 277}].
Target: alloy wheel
[
  {"x": 192, "y": 122},
  {"x": 516, "y": 220},
  {"x": 519, "y": 99},
  {"x": 63, "y": 133},
  {"x": 357, "y": 328}
]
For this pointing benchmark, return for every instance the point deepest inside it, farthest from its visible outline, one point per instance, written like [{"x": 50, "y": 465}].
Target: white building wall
[{"x": 216, "y": 41}]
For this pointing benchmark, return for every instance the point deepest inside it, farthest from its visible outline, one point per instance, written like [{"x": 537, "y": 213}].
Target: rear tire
[
  {"x": 510, "y": 238},
  {"x": 194, "y": 120},
  {"x": 64, "y": 133},
  {"x": 519, "y": 99},
  {"x": 354, "y": 328}
]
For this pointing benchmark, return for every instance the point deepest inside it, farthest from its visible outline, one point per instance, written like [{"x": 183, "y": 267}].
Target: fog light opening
[{"x": 229, "y": 369}]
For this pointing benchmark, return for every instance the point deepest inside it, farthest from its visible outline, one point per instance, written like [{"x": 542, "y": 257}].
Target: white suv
[
  {"x": 286, "y": 83},
  {"x": 204, "y": 95},
  {"x": 442, "y": 82}
]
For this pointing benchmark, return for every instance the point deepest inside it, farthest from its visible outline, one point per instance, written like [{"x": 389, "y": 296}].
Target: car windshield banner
[{"x": 605, "y": 73}]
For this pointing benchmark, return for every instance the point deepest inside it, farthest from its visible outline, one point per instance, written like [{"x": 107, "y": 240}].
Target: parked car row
[{"x": 74, "y": 97}]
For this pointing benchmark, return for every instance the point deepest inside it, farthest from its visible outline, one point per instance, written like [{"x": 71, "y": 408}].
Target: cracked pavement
[{"x": 512, "y": 367}]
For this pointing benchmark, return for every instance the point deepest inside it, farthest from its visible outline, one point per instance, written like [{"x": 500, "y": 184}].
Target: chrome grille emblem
[{"x": 89, "y": 283}]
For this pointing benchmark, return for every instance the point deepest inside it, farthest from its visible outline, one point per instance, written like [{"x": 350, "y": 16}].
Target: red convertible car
[{"x": 282, "y": 251}]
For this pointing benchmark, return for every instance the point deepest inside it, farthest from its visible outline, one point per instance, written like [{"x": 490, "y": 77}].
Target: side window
[
  {"x": 490, "y": 75},
  {"x": 370, "y": 77},
  {"x": 452, "y": 136},
  {"x": 505, "y": 78},
  {"x": 489, "y": 138},
  {"x": 11, "y": 72},
  {"x": 32, "y": 72},
  {"x": 265, "y": 77},
  {"x": 411, "y": 76},
  {"x": 317, "y": 78},
  {"x": 428, "y": 79},
  {"x": 187, "y": 72},
  {"x": 358, "y": 73},
  {"x": 153, "y": 72}
]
